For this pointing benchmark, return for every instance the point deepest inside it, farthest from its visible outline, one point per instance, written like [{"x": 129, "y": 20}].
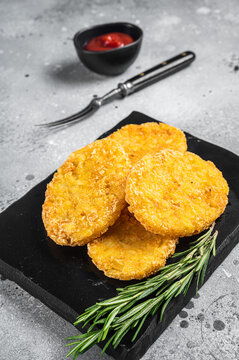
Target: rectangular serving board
[{"x": 65, "y": 279}]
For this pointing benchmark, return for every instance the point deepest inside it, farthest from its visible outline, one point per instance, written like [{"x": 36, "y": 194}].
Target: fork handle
[{"x": 157, "y": 73}]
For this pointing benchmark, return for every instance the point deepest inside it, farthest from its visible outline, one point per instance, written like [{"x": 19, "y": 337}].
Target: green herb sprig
[{"x": 134, "y": 303}]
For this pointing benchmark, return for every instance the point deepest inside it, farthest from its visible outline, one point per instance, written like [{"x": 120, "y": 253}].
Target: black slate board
[{"x": 66, "y": 280}]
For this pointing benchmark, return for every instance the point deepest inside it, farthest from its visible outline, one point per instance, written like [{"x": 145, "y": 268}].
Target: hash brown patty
[
  {"x": 174, "y": 194},
  {"x": 138, "y": 140},
  {"x": 127, "y": 251},
  {"x": 87, "y": 193}
]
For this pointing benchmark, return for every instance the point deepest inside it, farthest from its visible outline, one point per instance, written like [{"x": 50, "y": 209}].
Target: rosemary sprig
[{"x": 134, "y": 303}]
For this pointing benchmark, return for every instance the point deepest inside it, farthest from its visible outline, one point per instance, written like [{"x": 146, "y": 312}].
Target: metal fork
[{"x": 130, "y": 86}]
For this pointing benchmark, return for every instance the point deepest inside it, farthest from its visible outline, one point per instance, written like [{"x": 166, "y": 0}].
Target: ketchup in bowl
[{"x": 108, "y": 41}]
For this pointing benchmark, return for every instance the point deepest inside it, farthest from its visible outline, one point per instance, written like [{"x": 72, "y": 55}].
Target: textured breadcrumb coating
[
  {"x": 127, "y": 251},
  {"x": 138, "y": 140},
  {"x": 175, "y": 194},
  {"x": 87, "y": 193}
]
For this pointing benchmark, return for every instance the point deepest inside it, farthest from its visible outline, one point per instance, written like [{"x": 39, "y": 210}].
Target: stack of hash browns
[{"x": 171, "y": 193}]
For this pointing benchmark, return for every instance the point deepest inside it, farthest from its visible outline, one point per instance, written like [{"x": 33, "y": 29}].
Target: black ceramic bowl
[{"x": 109, "y": 62}]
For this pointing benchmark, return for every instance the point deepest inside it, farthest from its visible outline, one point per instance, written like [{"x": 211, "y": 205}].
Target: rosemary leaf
[{"x": 134, "y": 303}]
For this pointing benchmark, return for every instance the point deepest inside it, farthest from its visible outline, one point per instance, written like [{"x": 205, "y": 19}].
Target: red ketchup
[{"x": 108, "y": 41}]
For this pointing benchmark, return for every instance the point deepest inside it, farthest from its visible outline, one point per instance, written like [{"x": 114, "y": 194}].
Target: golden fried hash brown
[
  {"x": 87, "y": 193},
  {"x": 138, "y": 140},
  {"x": 175, "y": 194},
  {"x": 127, "y": 251}
]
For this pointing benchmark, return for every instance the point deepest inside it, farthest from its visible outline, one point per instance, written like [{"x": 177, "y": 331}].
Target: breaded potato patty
[
  {"x": 175, "y": 194},
  {"x": 138, "y": 140},
  {"x": 127, "y": 251},
  {"x": 87, "y": 193}
]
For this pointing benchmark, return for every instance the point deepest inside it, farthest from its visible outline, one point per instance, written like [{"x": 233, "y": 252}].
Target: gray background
[{"x": 42, "y": 80}]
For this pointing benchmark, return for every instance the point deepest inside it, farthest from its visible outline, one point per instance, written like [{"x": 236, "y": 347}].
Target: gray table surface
[{"x": 42, "y": 80}]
